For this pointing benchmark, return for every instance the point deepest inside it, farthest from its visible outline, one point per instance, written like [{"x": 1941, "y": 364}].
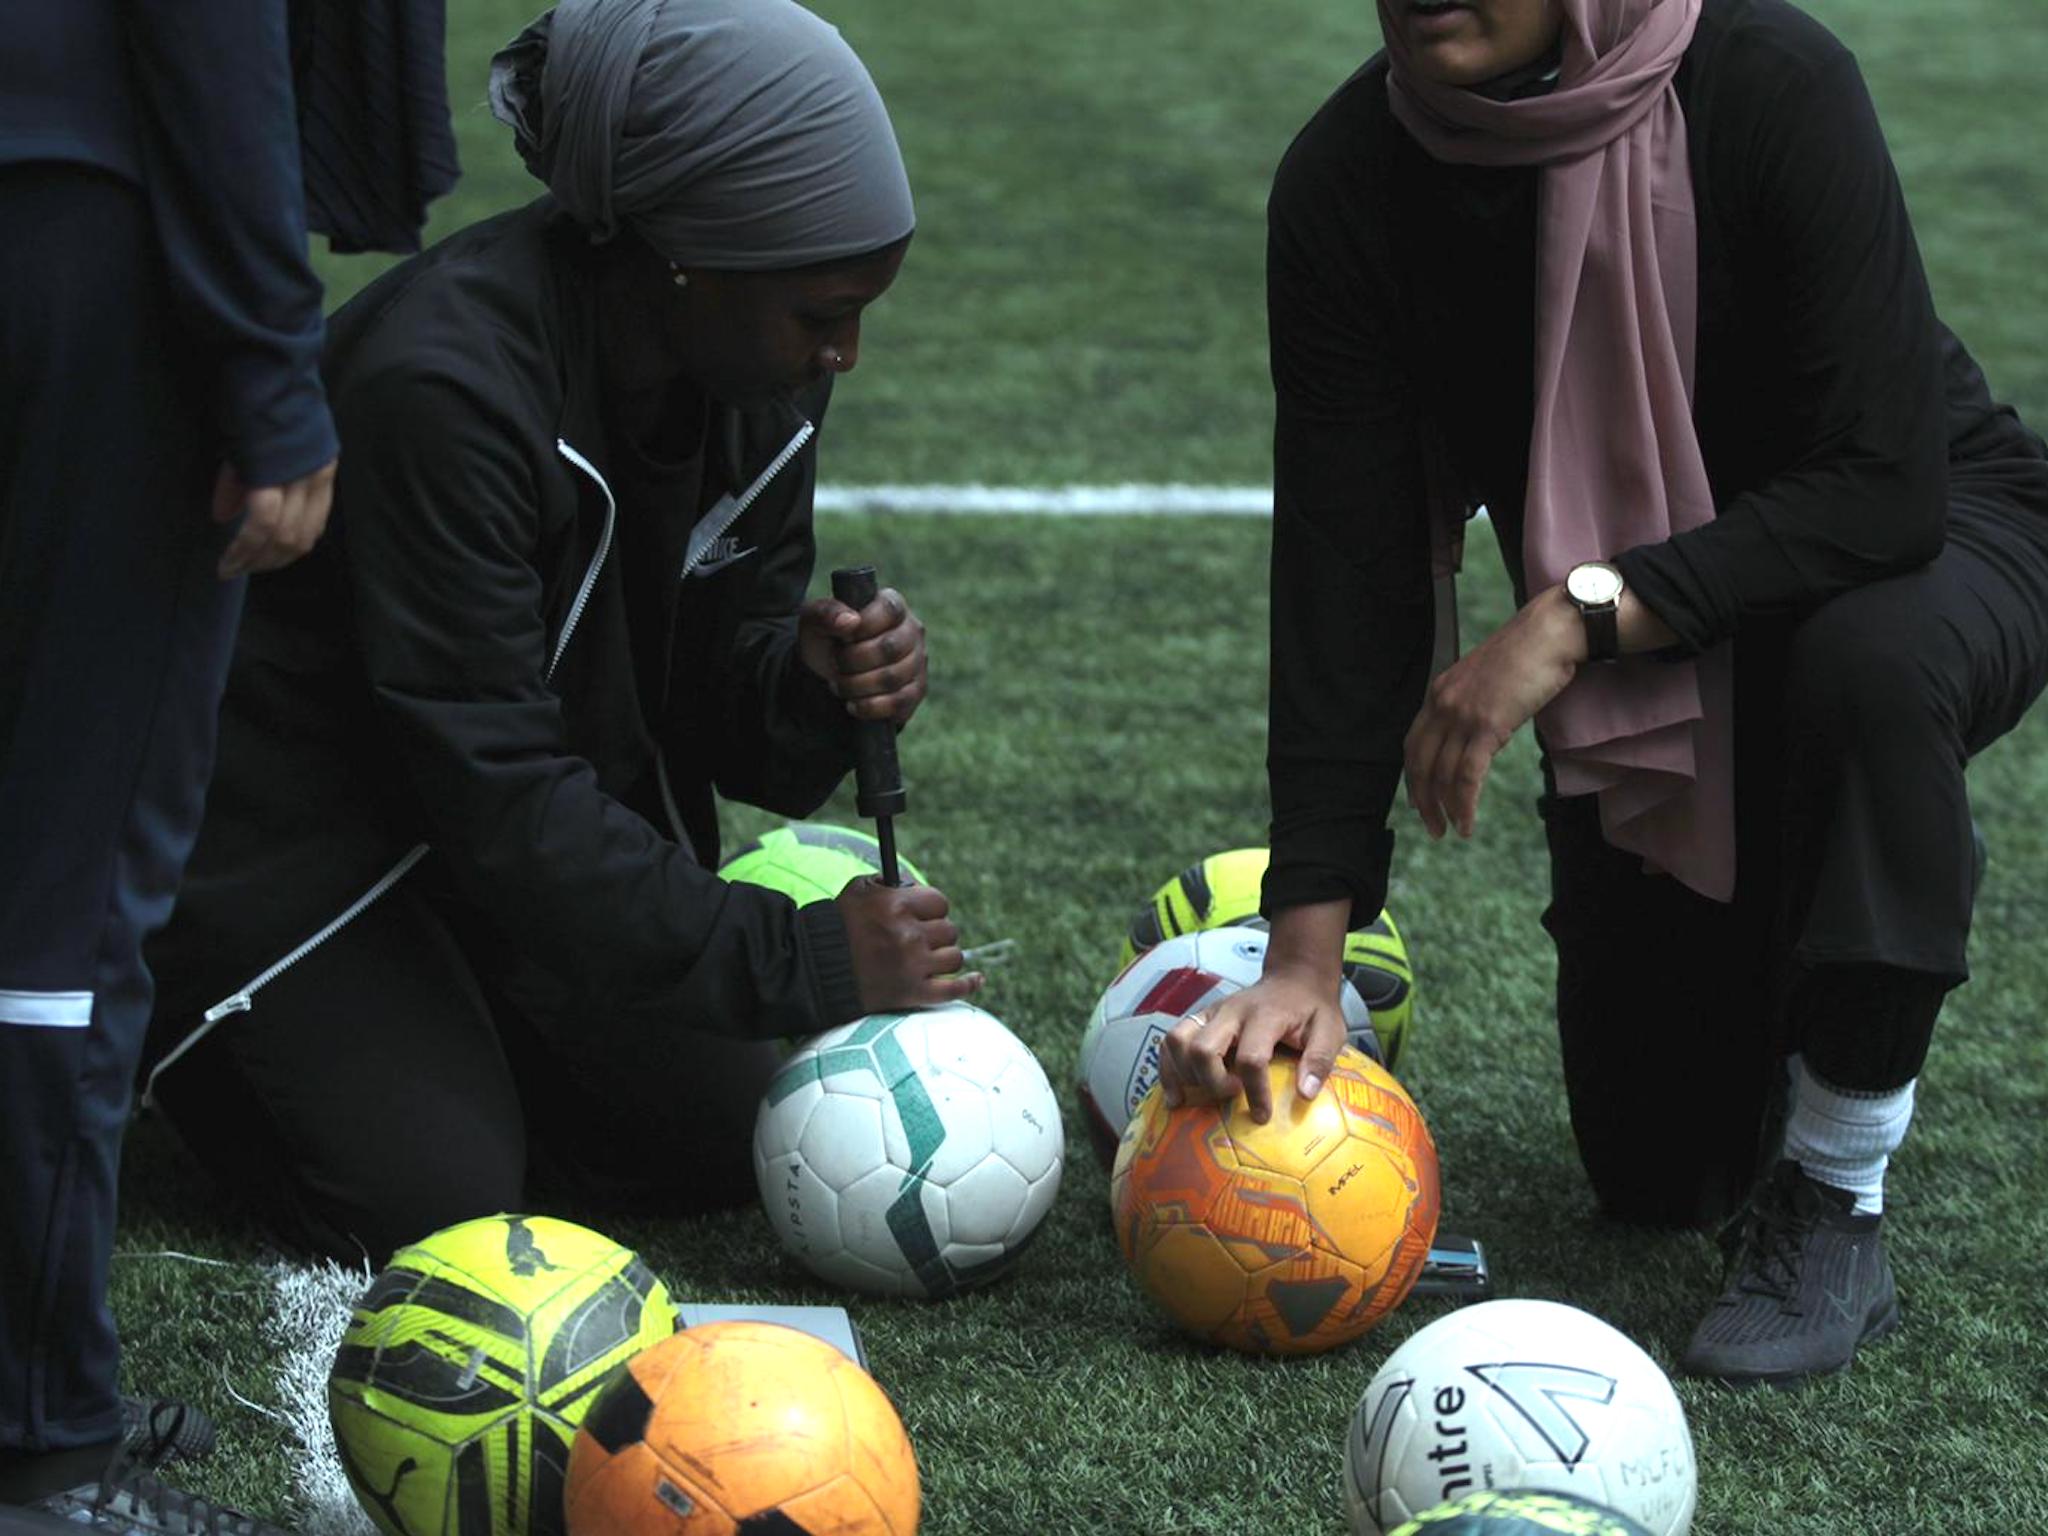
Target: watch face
[{"x": 1594, "y": 584}]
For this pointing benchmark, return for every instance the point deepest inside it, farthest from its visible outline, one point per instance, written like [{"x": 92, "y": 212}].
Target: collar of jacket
[{"x": 741, "y": 442}]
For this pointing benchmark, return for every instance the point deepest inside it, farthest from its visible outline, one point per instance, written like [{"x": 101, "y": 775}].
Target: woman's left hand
[
  {"x": 1480, "y": 700},
  {"x": 873, "y": 657}
]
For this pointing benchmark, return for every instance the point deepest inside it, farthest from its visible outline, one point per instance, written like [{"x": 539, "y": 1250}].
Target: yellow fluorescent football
[{"x": 468, "y": 1364}]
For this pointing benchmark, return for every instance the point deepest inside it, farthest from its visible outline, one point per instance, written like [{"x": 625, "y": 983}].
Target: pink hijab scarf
[{"x": 1613, "y": 460}]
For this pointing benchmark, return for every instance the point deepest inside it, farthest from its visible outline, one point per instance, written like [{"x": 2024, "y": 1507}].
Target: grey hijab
[{"x": 738, "y": 134}]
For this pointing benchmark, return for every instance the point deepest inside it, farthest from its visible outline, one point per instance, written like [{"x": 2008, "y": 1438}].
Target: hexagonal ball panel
[
  {"x": 982, "y": 1205},
  {"x": 842, "y": 1141}
]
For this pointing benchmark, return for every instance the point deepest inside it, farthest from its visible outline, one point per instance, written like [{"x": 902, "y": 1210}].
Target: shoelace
[
  {"x": 1774, "y": 1247},
  {"x": 161, "y": 1434},
  {"x": 129, "y": 1474}
]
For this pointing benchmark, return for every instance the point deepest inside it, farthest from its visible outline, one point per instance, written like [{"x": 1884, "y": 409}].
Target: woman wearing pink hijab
[{"x": 1637, "y": 276}]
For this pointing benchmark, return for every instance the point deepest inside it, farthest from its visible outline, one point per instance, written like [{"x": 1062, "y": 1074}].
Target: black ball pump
[{"x": 878, "y": 781}]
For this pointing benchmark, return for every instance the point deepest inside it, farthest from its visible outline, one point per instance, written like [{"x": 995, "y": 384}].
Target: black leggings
[
  {"x": 383, "y": 1088},
  {"x": 1854, "y": 882}
]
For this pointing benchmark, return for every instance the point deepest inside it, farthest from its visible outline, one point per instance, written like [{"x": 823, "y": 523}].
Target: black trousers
[
  {"x": 1854, "y": 877},
  {"x": 114, "y": 642},
  {"x": 391, "y": 1084}
]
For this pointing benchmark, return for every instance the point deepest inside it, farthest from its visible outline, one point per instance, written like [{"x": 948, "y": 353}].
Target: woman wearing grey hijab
[{"x": 469, "y": 756}]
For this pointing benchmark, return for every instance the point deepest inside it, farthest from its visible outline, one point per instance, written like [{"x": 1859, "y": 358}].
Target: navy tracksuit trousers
[{"x": 114, "y": 643}]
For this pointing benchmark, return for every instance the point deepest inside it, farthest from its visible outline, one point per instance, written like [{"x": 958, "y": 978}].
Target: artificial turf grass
[
  {"x": 1084, "y": 302},
  {"x": 1060, "y": 771}
]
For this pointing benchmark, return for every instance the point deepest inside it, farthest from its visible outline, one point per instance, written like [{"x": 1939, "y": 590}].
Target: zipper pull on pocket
[{"x": 239, "y": 1003}]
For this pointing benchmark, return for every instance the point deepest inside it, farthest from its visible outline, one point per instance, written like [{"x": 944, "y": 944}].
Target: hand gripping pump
[{"x": 878, "y": 781}]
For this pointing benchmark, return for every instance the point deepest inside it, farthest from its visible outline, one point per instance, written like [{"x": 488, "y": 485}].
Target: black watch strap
[{"x": 1603, "y": 631}]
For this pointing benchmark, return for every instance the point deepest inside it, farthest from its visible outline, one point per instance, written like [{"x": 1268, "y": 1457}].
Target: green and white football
[
  {"x": 909, "y": 1154},
  {"x": 811, "y": 861},
  {"x": 468, "y": 1365}
]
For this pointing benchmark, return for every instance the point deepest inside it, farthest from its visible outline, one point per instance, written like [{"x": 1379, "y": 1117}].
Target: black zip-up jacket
[
  {"x": 1847, "y": 434},
  {"x": 487, "y": 657}
]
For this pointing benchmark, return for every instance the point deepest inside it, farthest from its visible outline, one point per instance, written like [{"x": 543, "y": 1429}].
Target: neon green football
[
  {"x": 1520, "y": 1512},
  {"x": 468, "y": 1365},
  {"x": 810, "y": 861},
  {"x": 1222, "y": 891}
]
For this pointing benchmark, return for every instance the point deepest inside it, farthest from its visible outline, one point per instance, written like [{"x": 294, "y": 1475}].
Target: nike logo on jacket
[{"x": 721, "y": 552}]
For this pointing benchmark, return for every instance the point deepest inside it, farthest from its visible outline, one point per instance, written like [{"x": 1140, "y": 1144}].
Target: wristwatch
[{"x": 1595, "y": 590}]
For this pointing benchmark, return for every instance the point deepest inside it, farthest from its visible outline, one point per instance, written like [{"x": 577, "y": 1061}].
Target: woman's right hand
[
  {"x": 1215, "y": 1055},
  {"x": 1224, "y": 1051},
  {"x": 906, "y": 952},
  {"x": 280, "y": 523}
]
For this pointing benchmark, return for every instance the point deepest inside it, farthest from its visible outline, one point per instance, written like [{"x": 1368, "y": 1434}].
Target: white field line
[
  {"x": 1053, "y": 500},
  {"x": 1129, "y": 500},
  {"x": 309, "y": 1312}
]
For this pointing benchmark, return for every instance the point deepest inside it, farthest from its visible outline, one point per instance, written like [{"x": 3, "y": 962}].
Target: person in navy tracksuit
[{"x": 163, "y": 434}]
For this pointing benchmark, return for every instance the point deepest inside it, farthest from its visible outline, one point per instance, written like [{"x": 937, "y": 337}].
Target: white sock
[{"x": 1843, "y": 1137}]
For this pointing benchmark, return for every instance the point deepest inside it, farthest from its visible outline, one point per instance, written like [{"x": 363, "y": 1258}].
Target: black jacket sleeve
[
  {"x": 439, "y": 533},
  {"x": 1352, "y": 604},
  {"x": 1868, "y": 496},
  {"x": 220, "y": 154}
]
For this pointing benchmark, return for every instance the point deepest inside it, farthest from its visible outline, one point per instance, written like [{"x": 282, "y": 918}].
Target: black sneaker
[
  {"x": 1808, "y": 1283},
  {"x": 128, "y": 1500},
  {"x": 157, "y": 1430}
]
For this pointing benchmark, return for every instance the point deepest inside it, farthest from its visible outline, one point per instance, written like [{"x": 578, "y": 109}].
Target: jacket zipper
[
  {"x": 243, "y": 999},
  {"x": 707, "y": 532},
  {"x": 727, "y": 510}
]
